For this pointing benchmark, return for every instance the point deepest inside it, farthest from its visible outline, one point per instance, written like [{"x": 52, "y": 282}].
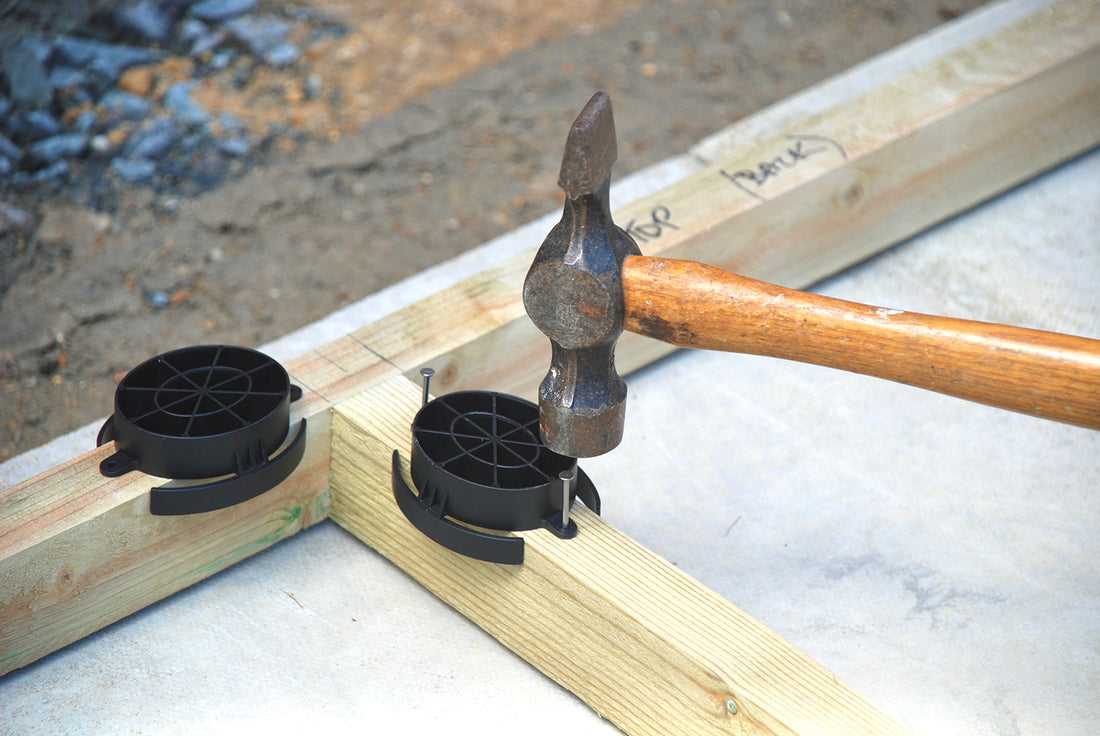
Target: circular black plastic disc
[
  {"x": 487, "y": 438},
  {"x": 482, "y": 450},
  {"x": 198, "y": 412}
]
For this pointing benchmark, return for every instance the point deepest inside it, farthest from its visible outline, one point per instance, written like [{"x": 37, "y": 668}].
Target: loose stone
[
  {"x": 314, "y": 86},
  {"x": 14, "y": 219},
  {"x": 9, "y": 149},
  {"x": 85, "y": 122},
  {"x": 191, "y": 29},
  {"x": 236, "y": 147},
  {"x": 221, "y": 60},
  {"x": 260, "y": 33},
  {"x": 154, "y": 140},
  {"x": 108, "y": 59},
  {"x": 100, "y": 144},
  {"x": 179, "y": 102},
  {"x": 66, "y": 76},
  {"x": 125, "y": 106},
  {"x": 134, "y": 169},
  {"x": 26, "y": 76},
  {"x": 32, "y": 126},
  {"x": 220, "y": 10},
  {"x": 158, "y": 299},
  {"x": 146, "y": 19},
  {"x": 282, "y": 55},
  {"x": 207, "y": 42},
  {"x": 49, "y": 150},
  {"x": 50, "y": 174},
  {"x": 137, "y": 80}
]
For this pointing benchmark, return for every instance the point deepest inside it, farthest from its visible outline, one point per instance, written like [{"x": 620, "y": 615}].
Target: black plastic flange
[
  {"x": 206, "y": 412},
  {"x": 477, "y": 459}
]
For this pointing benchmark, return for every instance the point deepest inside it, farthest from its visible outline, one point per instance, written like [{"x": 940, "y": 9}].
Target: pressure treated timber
[
  {"x": 642, "y": 643},
  {"x": 77, "y": 551}
]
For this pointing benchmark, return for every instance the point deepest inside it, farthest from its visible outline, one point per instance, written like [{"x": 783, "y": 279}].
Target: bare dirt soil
[{"x": 420, "y": 131}]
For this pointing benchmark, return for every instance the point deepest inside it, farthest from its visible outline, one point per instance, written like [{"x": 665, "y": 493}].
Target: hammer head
[{"x": 573, "y": 293}]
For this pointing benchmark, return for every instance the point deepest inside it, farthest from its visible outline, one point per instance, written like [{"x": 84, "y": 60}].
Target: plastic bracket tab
[
  {"x": 428, "y": 518},
  {"x": 256, "y": 475}
]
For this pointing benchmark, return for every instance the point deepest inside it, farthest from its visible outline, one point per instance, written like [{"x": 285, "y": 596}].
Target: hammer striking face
[{"x": 573, "y": 293}]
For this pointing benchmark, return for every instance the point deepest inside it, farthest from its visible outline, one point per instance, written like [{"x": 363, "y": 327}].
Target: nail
[
  {"x": 567, "y": 477},
  {"x": 427, "y": 373}
]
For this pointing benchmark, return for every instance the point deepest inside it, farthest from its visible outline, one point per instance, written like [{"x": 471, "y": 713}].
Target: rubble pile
[{"x": 83, "y": 109}]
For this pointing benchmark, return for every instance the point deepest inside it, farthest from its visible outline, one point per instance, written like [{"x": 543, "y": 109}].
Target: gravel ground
[{"x": 397, "y": 137}]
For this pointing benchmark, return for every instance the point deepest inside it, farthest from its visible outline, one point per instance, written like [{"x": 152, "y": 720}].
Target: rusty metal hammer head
[{"x": 573, "y": 293}]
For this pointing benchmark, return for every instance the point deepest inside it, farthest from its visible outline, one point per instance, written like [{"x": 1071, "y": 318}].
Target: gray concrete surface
[{"x": 938, "y": 555}]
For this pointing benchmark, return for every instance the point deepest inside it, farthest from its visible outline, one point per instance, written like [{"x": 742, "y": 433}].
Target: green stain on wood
[
  {"x": 322, "y": 506},
  {"x": 290, "y": 522}
]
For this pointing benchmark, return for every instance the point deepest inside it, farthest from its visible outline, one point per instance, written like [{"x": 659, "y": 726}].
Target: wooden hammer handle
[{"x": 689, "y": 304}]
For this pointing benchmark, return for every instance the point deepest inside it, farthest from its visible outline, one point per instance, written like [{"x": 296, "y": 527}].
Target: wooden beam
[
  {"x": 642, "y": 643},
  {"x": 79, "y": 551}
]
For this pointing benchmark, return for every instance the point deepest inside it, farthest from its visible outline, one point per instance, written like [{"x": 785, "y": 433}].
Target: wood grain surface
[{"x": 694, "y": 305}]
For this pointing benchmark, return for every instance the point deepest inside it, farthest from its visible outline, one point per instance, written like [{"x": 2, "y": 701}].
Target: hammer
[{"x": 589, "y": 281}]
